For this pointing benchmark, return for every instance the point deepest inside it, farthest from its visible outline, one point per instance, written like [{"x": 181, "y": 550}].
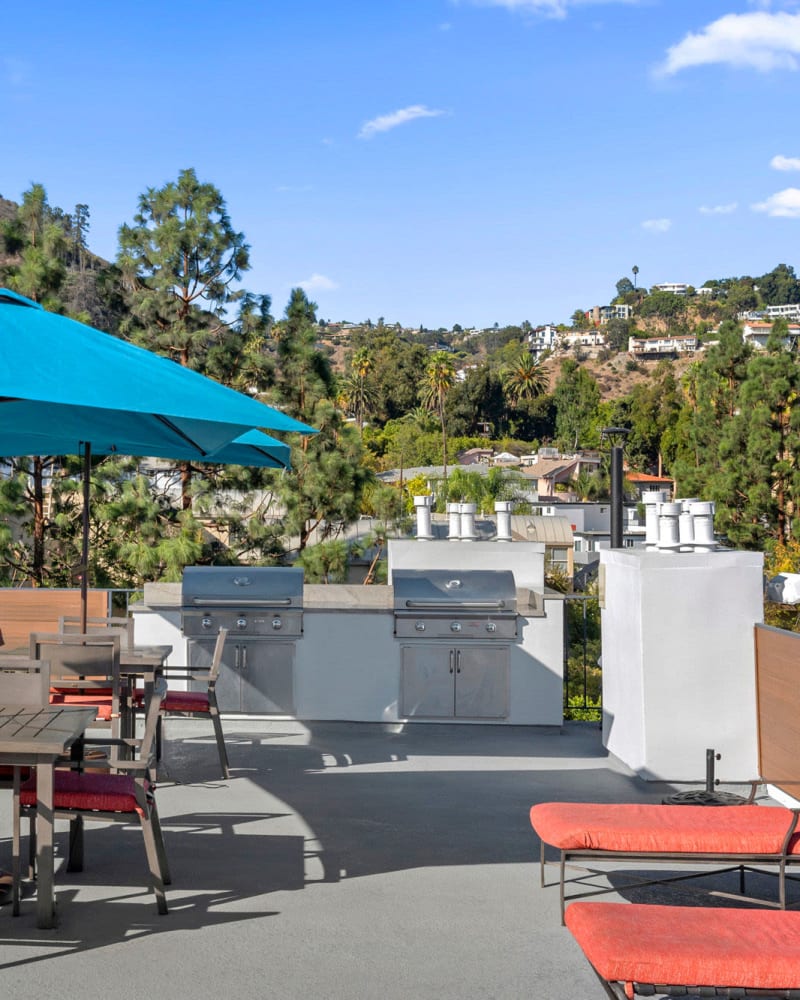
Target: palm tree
[
  {"x": 635, "y": 271},
  {"x": 524, "y": 378},
  {"x": 440, "y": 375},
  {"x": 361, "y": 366}
]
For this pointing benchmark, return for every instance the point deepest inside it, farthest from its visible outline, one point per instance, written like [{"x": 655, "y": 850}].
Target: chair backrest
[
  {"x": 79, "y": 660},
  {"x": 72, "y": 624},
  {"x": 216, "y": 660},
  {"x": 26, "y": 682},
  {"x": 147, "y": 745}
]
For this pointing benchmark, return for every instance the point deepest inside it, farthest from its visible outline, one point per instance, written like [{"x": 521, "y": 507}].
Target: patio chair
[
  {"x": 84, "y": 669},
  {"x": 116, "y": 797},
  {"x": 640, "y": 949},
  {"x": 26, "y": 682},
  {"x": 741, "y": 835},
  {"x": 197, "y": 704},
  {"x": 70, "y": 624}
]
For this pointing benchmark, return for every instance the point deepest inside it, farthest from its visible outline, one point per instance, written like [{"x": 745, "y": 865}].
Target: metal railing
[{"x": 582, "y": 670}]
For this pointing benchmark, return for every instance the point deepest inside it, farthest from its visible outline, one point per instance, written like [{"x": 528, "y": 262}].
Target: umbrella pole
[{"x": 87, "y": 464}]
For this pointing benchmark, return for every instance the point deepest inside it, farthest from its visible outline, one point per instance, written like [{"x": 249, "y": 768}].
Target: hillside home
[
  {"x": 789, "y": 311},
  {"x": 642, "y": 483},
  {"x": 475, "y": 456},
  {"x": 674, "y": 287},
  {"x": 652, "y": 347},
  {"x": 756, "y": 332},
  {"x": 543, "y": 338},
  {"x": 582, "y": 338},
  {"x": 600, "y": 315}
]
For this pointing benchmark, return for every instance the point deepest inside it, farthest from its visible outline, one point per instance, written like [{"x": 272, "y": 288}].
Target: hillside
[{"x": 617, "y": 377}]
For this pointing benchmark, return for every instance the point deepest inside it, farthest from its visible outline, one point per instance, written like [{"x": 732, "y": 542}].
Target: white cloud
[
  {"x": 549, "y": 8},
  {"x": 318, "y": 283},
  {"x": 718, "y": 209},
  {"x": 761, "y": 41},
  {"x": 657, "y": 225},
  {"x": 784, "y": 204},
  {"x": 383, "y": 123},
  {"x": 785, "y": 163}
]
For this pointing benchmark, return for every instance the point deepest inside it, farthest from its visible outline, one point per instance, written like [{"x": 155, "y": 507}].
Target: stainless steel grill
[
  {"x": 262, "y": 607},
  {"x": 455, "y": 629},
  {"x": 455, "y": 604},
  {"x": 262, "y": 601}
]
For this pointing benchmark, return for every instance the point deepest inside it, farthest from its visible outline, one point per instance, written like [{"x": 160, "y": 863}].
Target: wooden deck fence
[
  {"x": 778, "y": 693},
  {"x": 26, "y": 610}
]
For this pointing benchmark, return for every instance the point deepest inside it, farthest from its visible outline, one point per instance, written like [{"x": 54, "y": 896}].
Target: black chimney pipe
[{"x": 616, "y": 436}]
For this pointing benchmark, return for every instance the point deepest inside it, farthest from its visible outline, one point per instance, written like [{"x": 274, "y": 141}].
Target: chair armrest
[{"x": 186, "y": 672}]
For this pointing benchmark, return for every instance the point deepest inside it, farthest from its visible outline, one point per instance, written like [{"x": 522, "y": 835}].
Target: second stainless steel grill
[
  {"x": 455, "y": 629},
  {"x": 448, "y": 604}
]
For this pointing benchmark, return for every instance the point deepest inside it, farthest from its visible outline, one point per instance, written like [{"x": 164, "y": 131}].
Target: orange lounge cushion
[
  {"x": 104, "y": 712},
  {"x": 688, "y": 945},
  {"x": 656, "y": 828},
  {"x": 88, "y": 792}
]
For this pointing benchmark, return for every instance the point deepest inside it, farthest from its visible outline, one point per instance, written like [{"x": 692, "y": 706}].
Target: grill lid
[
  {"x": 242, "y": 586},
  {"x": 469, "y": 591}
]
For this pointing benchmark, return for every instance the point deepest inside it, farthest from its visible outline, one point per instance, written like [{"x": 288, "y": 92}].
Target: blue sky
[{"x": 429, "y": 161}]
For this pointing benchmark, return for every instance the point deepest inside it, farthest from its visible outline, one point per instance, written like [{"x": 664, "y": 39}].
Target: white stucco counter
[{"x": 348, "y": 663}]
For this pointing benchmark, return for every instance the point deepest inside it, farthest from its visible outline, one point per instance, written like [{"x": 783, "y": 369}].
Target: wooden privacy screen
[
  {"x": 38, "y": 610},
  {"x": 778, "y": 691}
]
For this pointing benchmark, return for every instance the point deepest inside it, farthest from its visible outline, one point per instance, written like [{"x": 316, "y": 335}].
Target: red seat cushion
[
  {"x": 88, "y": 792},
  {"x": 656, "y": 828},
  {"x": 689, "y": 946},
  {"x": 103, "y": 706},
  {"x": 177, "y": 701},
  {"x": 7, "y": 772},
  {"x": 185, "y": 701}
]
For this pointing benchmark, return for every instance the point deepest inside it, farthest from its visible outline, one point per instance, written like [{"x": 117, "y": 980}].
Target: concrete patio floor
[{"x": 339, "y": 862}]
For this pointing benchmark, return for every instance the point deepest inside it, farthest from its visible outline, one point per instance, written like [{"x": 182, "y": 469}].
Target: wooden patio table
[{"x": 33, "y": 736}]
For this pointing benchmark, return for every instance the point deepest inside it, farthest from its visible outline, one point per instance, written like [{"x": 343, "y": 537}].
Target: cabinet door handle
[
  {"x": 244, "y": 657},
  {"x": 458, "y": 661},
  {"x": 236, "y": 658},
  {"x": 452, "y": 658}
]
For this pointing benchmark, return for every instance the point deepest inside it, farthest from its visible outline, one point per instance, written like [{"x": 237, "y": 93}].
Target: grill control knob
[
  {"x": 241, "y": 623},
  {"x": 491, "y": 626},
  {"x": 455, "y": 626},
  {"x": 277, "y": 623},
  {"x": 419, "y": 626},
  {"x": 205, "y": 622}
]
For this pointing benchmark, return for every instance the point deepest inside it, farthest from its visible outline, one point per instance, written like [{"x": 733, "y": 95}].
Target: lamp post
[{"x": 616, "y": 437}]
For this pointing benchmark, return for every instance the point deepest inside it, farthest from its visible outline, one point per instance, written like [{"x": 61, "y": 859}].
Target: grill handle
[
  {"x": 457, "y": 605},
  {"x": 237, "y": 602}
]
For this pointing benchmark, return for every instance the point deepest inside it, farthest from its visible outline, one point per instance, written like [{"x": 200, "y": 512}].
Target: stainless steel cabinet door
[
  {"x": 481, "y": 690},
  {"x": 254, "y": 677},
  {"x": 267, "y": 677},
  {"x": 427, "y": 675}
]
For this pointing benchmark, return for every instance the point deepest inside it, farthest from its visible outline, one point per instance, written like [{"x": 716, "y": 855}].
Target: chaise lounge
[
  {"x": 646, "y": 950},
  {"x": 743, "y": 836}
]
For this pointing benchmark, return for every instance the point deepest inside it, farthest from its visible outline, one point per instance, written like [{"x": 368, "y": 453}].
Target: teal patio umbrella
[{"x": 66, "y": 388}]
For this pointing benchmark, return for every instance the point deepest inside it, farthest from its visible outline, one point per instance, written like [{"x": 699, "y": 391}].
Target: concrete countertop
[
  {"x": 326, "y": 597},
  {"x": 347, "y": 597}
]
